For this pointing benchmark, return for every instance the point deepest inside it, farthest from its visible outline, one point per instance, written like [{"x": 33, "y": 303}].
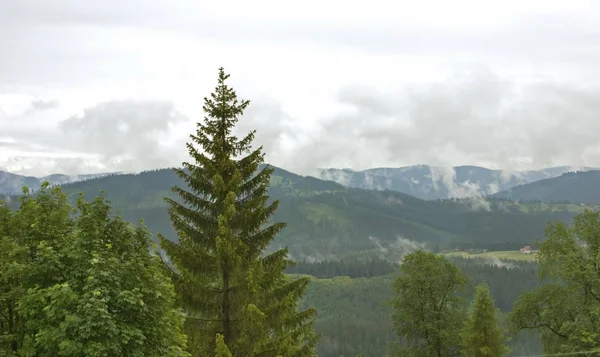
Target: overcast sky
[{"x": 107, "y": 85}]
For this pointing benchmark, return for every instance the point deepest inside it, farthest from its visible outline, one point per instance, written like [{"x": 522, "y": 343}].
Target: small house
[{"x": 526, "y": 249}]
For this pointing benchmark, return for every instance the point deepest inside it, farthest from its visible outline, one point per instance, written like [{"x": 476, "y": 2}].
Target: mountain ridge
[
  {"x": 422, "y": 181},
  {"x": 575, "y": 187},
  {"x": 434, "y": 182}
]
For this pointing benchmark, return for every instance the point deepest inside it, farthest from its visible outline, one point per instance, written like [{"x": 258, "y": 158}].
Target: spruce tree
[
  {"x": 226, "y": 283},
  {"x": 482, "y": 335}
]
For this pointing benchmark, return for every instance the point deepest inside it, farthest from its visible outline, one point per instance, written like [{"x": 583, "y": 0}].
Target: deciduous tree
[
  {"x": 41, "y": 224},
  {"x": 428, "y": 313},
  {"x": 82, "y": 284},
  {"x": 114, "y": 300},
  {"x": 566, "y": 312}
]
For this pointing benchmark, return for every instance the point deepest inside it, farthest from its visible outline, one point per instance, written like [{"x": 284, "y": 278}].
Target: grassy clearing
[
  {"x": 552, "y": 207},
  {"x": 502, "y": 255}
]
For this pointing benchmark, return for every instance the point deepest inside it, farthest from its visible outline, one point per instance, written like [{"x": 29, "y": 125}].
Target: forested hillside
[
  {"x": 574, "y": 187},
  {"x": 329, "y": 221}
]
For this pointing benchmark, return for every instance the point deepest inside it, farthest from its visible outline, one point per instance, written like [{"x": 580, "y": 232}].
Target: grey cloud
[
  {"x": 8, "y": 144},
  {"x": 473, "y": 118},
  {"x": 476, "y": 119},
  {"x": 24, "y": 146},
  {"x": 33, "y": 166},
  {"x": 61, "y": 30},
  {"x": 111, "y": 136},
  {"x": 271, "y": 122},
  {"x": 129, "y": 135},
  {"x": 64, "y": 12},
  {"x": 40, "y": 104},
  {"x": 532, "y": 34}
]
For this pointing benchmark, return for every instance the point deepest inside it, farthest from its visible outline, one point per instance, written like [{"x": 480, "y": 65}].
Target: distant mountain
[
  {"x": 327, "y": 220},
  {"x": 431, "y": 182},
  {"x": 574, "y": 187},
  {"x": 12, "y": 183}
]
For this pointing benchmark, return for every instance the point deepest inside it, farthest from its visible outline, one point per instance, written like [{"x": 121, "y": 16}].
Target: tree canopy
[
  {"x": 566, "y": 312},
  {"x": 427, "y": 311},
  {"x": 82, "y": 282}
]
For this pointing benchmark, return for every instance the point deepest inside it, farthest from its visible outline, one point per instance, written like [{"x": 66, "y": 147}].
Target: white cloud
[{"x": 507, "y": 84}]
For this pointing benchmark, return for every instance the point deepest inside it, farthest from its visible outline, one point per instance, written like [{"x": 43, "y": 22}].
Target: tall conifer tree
[{"x": 230, "y": 290}]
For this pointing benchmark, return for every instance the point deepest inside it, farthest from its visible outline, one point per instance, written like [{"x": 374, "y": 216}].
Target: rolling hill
[
  {"x": 430, "y": 182},
  {"x": 329, "y": 221},
  {"x": 574, "y": 187}
]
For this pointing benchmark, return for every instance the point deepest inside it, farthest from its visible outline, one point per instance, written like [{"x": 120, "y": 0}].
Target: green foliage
[
  {"x": 506, "y": 280},
  {"x": 351, "y": 315},
  {"x": 221, "y": 349},
  {"x": 237, "y": 300},
  {"x": 352, "y": 318},
  {"x": 566, "y": 311},
  {"x": 427, "y": 309},
  {"x": 83, "y": 284},
  {"x": 482, "y": 335},
  {"x": 12, "y": 257},
  {"x": 32, "y": 239}
]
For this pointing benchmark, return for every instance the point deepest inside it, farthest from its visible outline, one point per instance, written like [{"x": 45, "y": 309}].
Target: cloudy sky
[{"x": 113, "y": 85}]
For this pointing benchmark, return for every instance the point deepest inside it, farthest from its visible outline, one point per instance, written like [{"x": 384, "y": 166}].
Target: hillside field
[{"x": 501, "y": 255}]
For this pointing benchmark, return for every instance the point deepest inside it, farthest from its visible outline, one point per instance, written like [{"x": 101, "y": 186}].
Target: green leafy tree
[
  {"x": 225, "y": 282},
  {"x": 566, "y": 312},
  {"x": 12, "y": 257},
  {"x": 482, "y": 335},
  {"x": 427, "y": 309},
  {"x": 43, "y": 224},
  {"x": 84, "y": 284},
  {"x": 40, "y": 225},
  {"x": 11, "y": 269}
]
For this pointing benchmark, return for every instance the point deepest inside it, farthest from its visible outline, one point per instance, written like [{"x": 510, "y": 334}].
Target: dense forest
[
  {"x": 352, "y": 315},
  {"x": 328, "y": 221},
  {"x": 578, "y": 187},
  {"x": 240, "y": 259}
]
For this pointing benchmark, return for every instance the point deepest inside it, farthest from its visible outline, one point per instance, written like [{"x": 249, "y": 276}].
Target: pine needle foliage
[
  {"x": 482, "y": 335},
  {"x": 237, "y": 299}
]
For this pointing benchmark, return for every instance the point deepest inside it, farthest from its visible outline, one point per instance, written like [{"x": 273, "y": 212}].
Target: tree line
[{"x": 81, "y": 281}]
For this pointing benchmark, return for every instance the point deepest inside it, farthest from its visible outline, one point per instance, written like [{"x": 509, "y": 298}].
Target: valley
[{"x": 349, "y": 241}]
